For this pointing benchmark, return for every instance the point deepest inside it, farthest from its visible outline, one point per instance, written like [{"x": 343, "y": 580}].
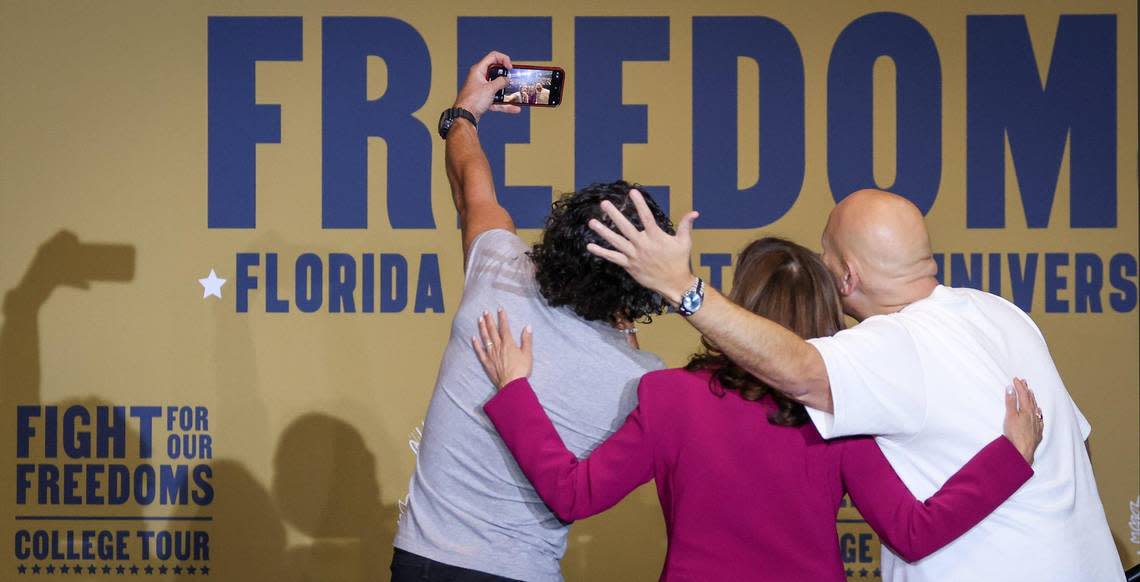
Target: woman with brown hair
[{"x": 749, "y": 489}]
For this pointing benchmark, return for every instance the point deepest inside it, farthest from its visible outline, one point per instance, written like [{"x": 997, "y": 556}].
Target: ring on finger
[
  {"x": 1040, "y": 416},
  {"x": 492, "y": 344}
]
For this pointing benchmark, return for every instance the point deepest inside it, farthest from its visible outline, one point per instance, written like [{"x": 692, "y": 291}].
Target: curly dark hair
[
  {"x": 788, "y": 284},
  {"x": 567, "y": 274}
]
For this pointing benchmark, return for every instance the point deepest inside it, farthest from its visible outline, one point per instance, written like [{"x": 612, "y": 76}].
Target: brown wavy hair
[{"x": 788, "y": 284}]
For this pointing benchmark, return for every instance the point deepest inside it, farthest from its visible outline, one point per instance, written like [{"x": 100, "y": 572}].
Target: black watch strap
[{"x": 448, "y": 117}]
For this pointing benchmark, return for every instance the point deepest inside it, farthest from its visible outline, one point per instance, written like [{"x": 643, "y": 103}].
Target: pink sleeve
[
  {"x": 915, "y": 529},
  {"x": 572, "y": 488}
]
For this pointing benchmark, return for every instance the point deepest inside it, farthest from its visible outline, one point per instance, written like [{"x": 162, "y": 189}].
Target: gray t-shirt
[{"x": 469, "y": 504}]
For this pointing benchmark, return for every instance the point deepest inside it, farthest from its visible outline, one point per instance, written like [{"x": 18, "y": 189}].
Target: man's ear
[{"x": 850, "y": 280}]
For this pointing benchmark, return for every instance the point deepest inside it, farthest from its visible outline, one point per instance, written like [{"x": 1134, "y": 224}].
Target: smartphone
[{"x": 530, "y": 85}]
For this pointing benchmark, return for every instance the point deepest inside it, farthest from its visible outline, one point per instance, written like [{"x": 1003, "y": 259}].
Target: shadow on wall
[
  {"x": 325, "y": 485},
  {"x": 247, "y": 536},
  {"x": 325, "y": 481},
  {"x": 61, "y": 261},
  {"x": 324, "y": 476}
]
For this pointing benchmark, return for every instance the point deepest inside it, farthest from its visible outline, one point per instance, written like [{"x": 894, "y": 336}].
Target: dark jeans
[{"x": 409, "y": 567}]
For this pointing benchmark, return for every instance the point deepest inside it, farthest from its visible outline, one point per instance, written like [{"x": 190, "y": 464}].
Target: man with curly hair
[{"x": 472, "y": 514}]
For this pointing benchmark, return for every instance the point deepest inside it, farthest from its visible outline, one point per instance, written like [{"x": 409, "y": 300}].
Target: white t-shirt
[{"x": 929, "y": 382}]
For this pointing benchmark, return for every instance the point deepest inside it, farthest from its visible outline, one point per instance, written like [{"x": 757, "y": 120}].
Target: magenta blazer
[{"x": 745, "y": 499}]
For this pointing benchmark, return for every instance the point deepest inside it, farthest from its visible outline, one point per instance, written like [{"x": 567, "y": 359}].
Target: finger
[
  {"x": 1020, "y": 394},
  {"x": 1010, "y": 402},
  {"x": 484, "y": 333},
  {"x": 1018, "y": 383},
  {"x": 493, "y": 58},
  {"x": 505, "y": 108},
  {"x": 618, "y": 241},
  {"x": 492, "y": 329},
  {"x": 611, "y": 256},
  {"x": 485, "y": 361},
  {"x": 685, "y": 227},
  {"x": 499, "y": 83},
  {"x": 1030, "y": 402},
  {"x": 1023, "y": 404},
  {"x": 1038, "y": 416},
  {"x": 647, "y": 221},
  {"x": 620, "y": 221},
  {"x": 480, "y": 352},
  {"x": 527, "y": 340},
  {"x": 505, "y": 329}
]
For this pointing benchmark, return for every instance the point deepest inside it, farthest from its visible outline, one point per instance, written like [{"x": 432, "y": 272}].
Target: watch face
[
  {"x": 448, "y": 117},
  {"x": 690, "y": 302},
  {"x": 445, "y": 121},
  {"x": 692, "y": 299}
]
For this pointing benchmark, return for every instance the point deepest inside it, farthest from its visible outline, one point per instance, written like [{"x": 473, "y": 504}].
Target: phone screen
[{"x": 532, "y": 86}]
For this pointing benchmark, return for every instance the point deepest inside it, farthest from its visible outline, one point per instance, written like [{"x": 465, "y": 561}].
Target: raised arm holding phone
[{"x": 471, "y": 514}]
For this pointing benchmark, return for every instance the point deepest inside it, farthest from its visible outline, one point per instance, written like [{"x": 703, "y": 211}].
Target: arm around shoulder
[{"x": 766, "y": 349}]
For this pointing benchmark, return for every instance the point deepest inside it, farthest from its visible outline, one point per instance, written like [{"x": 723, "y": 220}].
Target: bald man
[{"x": 923, "y": 372}]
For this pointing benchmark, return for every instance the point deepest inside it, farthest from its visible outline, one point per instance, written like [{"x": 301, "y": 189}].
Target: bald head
[{"x": 878, "y": 246}]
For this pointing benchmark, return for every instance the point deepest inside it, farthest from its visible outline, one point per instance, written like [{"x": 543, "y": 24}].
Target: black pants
[{"x": 409, "y": 567}]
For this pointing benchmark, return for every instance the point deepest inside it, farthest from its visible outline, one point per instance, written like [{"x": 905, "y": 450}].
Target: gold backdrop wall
[{"x": 295, "y": 432}]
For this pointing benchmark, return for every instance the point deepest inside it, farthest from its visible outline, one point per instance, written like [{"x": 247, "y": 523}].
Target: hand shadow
[{"x": 61, "y": 261}]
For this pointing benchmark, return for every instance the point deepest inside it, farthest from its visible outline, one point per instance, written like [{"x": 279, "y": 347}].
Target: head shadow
[{"x": 326, "y": 487}]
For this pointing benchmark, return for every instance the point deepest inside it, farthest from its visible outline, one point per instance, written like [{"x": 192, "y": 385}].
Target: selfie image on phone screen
[{"x": 530, "y": 85}]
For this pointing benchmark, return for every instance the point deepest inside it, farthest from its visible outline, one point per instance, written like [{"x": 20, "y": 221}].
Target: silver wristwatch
[{"x": 692, "y": 299}]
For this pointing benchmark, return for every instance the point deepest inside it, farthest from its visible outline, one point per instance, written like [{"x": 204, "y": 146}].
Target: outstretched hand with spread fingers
[{"x": 656, "y": 259}]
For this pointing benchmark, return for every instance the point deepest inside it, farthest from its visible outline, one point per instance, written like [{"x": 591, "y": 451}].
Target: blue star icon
[
  {"x": 106, "y": 569},
  {"x": 120, "y": 569},
  {"x": 178, "y": 569},
  {"x": 77, "y": 570},
  {"x": 22, "y": 568},
  {"x": 35, "y": 568},
  {"x": 212, "y": 285},
  {"x": 878, "y": 573},
  {"x": 149, "y": 570},
  {"x": 50, "y": 569},
  {"x": 162, "y": 569},
  {"x": 134, "y": 569},
  {"x": 850, "y": 572},
  {"x": 863, "y": 573},
  {"x": 63, "y": 569},
  {"x": 190, "y": 570},
  {"x": 205, "y": 570},
  {"x": 91, "y": 569}
]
